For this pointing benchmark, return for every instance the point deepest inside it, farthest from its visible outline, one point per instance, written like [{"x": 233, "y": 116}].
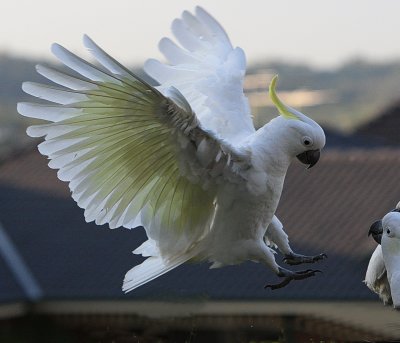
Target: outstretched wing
[
  {"x": 209, "y": 72},
  {"x": 130, "y": 154}
]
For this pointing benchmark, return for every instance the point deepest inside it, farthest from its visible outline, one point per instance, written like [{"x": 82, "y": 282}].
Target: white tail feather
[{"x": 150, "y": 269}]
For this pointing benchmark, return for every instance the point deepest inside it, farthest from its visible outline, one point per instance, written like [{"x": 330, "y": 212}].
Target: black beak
[
  {"x": 309, "y": 157},
  {"x": 376, "y": 231}
]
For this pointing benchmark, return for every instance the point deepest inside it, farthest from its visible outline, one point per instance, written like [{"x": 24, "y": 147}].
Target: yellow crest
[{"x": 278, "y": 103}]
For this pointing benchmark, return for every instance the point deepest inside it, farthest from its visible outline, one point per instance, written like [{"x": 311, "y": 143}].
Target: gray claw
[
  {"x": 289, "y": 276},
  {"x": 295, "y": 259}
]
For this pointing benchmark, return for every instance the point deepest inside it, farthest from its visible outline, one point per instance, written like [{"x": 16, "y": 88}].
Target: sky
[{"x": 322, "y": 33}]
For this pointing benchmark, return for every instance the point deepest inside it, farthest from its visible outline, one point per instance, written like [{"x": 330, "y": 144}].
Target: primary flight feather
[{"x": 182, "y": 159}]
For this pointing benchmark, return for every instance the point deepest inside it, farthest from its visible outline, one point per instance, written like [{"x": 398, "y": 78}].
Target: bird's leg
[
  {"x": 289, "y": 275},
  {"x": 294, "y": 259},
  {"x": 278, "y": 236}
]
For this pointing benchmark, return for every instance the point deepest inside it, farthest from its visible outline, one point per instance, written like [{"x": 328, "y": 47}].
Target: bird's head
[
  {"x": 388, "y": 226},
  {"x": 391, "y": 224},
  {"x": 303, "y": 137}
]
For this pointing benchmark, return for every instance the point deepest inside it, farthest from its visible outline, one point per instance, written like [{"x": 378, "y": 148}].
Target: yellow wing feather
[{"x": 120, "y": 144}]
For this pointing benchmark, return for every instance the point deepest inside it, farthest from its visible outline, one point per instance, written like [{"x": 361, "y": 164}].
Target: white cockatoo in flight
[
  {"x": 182, "y": 159},
  {"x": 383, "y": 272}
]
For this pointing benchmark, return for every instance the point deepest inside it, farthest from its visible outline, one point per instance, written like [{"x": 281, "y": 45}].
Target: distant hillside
[
  {"x": 12, "y": 126},
  {"x": 360, "y": 90},
  {"x": 12, "y": 72},
  {"x": 385, "y": 127}
]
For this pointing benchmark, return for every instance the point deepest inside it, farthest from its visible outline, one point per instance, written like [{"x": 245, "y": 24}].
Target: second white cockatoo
[
  {"x": 383, "y": 272},
  {"x": 182, "y": 159}
]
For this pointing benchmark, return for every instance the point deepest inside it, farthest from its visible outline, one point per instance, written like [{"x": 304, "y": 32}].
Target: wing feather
[
  {"x": 209, "y": 73},
  {"x": 174, "y": 53},
  {"x": 53, "y": 94},
  {"x": 106, "y": 60},
  {"x": 80, "y": 66},
  {"x": 130, "y": 154},
  {"x": 63, "y": 79}
]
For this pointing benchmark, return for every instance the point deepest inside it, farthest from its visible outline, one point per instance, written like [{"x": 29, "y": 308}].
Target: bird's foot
[
  {"x": 294, "y": 259},
  {"x": 289, "y": 276}
]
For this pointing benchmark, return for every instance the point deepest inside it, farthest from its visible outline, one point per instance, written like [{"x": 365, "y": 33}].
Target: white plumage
[
  {"x": 391, "y": 253},
  {"x": 207, "y": 64},
  {"x": 376, "y": 276},
  {"x": 383, "y": 273},
  {"x": 182, "y": 159}
]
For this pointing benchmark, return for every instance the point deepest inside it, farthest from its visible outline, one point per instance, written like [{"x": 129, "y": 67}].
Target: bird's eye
[
  {"x": 388, "y": 231},
  {"x": 307, "y": 141}
]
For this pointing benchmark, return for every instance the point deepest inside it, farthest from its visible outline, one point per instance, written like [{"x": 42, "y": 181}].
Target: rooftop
[
  {"x": 326, "y": 209},
  {"x": 79, "y": 267}
]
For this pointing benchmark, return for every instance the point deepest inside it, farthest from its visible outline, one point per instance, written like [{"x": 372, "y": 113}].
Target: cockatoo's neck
[{"x": 270, "y": 148}]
